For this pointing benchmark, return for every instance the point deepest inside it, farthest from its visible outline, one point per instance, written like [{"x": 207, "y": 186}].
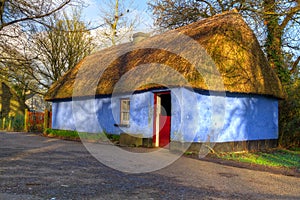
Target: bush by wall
[
  {"x": 18, "y": 123},
  {"x": 74, "y": 135},
  {"x": 289, "y": 117},
  {"x": 12, "y": 123}
]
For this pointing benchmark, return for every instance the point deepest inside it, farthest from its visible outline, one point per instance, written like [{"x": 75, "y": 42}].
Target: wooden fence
[{"x": 37, "y": 121}]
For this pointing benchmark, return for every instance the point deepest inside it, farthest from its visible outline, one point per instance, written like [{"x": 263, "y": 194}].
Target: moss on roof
[{"x": 226, "y": 38}]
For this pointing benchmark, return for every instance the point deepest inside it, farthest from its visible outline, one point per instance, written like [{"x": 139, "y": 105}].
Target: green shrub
[
  {"x": 289, "y": 117},
  {"x": 113, "y": 137},
  {"x": 12, "y": 123},
  {"x": 69, "y": 134},
  {"x": 4, "y": 123},
  {"x": 18, "y": 122},
  {"x": 62, "y": 133}
]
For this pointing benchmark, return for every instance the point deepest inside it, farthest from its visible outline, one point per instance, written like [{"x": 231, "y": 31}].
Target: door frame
[{"x": 156, "y": 117}]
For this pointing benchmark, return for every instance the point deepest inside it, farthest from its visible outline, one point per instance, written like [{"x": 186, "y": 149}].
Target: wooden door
[{"x": 164, "y": 130}]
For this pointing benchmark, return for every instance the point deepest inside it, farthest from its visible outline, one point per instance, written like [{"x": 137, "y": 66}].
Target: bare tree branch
[
  {"x": 289, "y": 16},
  {"x": 295, "y": 64},
  {"x": 29, "y": 14},
  {"x": 119, "y": 22}
]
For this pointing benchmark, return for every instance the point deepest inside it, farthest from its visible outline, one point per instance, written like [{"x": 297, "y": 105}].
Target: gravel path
[{"x": 35, "y": 167}]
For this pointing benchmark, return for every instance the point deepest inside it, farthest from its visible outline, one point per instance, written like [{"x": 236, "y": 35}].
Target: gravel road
[{"x": 34, "y": 167}]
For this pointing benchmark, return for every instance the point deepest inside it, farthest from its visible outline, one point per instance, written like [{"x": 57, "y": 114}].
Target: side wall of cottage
[
  {"x": 196, "y": 116},
  {"x": 203, "y": 117},
  {"x": 103, "y": 115}
]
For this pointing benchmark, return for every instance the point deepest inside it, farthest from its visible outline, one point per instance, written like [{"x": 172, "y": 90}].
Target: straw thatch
[{"x": 165, "y": 60}]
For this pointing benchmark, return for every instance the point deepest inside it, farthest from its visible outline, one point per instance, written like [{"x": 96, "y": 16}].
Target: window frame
[{"x": 124, "y": 111}]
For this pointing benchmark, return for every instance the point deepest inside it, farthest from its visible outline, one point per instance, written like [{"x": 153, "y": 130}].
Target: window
[{"x": 125, "y": 107}]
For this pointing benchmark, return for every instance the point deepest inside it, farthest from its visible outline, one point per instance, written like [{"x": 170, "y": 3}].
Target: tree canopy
[{"x": 34, "y": 59}]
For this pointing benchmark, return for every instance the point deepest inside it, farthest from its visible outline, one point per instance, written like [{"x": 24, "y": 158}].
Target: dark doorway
[{"x": 162, "y": 119}]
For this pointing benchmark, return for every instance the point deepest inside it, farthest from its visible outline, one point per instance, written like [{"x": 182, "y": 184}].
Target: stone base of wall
[
  {"x": 148, "y": 142},
  {"x": 251, "y": 145},
  {"x": 135, "y": 140}
]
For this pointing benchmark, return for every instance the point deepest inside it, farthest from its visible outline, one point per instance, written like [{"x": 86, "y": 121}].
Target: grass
[
  {"x": 62, "y": 133},
  {"x": 74, "y": 135},
  {"x": 274, "y": 158}
]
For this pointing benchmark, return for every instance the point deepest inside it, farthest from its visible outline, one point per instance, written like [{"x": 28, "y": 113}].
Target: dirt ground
[{"x": 35, "y": 167}]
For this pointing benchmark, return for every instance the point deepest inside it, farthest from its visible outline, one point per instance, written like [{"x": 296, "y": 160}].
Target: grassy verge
[
  {"x": 74, "y": 135},
  {"x": 273, "y": 158}
]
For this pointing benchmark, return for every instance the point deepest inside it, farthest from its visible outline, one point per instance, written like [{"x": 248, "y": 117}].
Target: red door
[{"x": 165, "y": 128}]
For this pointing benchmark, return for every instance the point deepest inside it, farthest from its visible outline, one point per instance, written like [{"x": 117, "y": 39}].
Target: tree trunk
[
  {"x": 115, "y": 23},
  {"x": 273, "y": 43}
]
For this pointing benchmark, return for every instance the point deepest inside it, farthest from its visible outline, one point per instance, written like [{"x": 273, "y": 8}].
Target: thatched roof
[{"x": 174, "y": 59}]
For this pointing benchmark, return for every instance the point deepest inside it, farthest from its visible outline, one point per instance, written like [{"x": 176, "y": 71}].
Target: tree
[
  {"x": 276, "y": 24},
  {"x": 119, "y": 22},
  {"x": 16, "y": 18},
  {"x": 18, "y": 11},
  {"x": 13, "y": 61},
  {"x": 44, "y": 56},
  {"x": 58, "y": 47},
  {"x": 289, "y": 113}
]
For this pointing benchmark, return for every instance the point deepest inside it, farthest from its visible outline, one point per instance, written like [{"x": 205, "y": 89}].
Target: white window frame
[{"x": 124, "y": 111}]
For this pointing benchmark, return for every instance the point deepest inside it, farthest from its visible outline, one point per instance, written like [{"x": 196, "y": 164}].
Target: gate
[{"x": 37, "y": 121}]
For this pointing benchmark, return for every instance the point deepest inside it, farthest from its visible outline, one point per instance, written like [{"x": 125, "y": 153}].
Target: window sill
[{"x": 122, "y": 125}]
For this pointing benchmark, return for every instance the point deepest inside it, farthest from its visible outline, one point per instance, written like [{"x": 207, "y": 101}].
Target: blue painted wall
[
  {"x": 196, "y": 116},
  {"x": 62, "y": 117},
  {"x": 103, "y": 114}
]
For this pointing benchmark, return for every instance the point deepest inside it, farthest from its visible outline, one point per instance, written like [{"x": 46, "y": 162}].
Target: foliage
[
  {"x": 16, "y": 18},
  {"x": 35, "y": 127},
  {"x": 34, "y": 56},
  {"x": 59, "y": 47},
  {"x": 5, "y": 121},
  {"x": 62, "y": 133},
  {"x": 113, "y": 137},
  {"x": 18, "y": 122},
  {"x": 69, "y": 134},
  {"x": 289, "y": 116},
  {"x": 12, "y": 123},
  {"x": 276, "y": 158}
]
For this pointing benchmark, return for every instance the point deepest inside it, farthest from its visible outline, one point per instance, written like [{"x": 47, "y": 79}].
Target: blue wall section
[
  {"x": 243, "y": 117},
  {"x": 103, "y": 114},
  {"x": 62, "y": 117},
  {"x": 196, "y": 116}
]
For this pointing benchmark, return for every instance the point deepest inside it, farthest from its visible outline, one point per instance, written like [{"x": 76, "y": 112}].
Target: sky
[{"x": 92, "y": 12}]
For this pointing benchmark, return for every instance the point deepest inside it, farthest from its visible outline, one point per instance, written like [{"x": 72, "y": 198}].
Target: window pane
[
  {"x": 125, "y": 116},
  {"x": 125, "y": 107}
]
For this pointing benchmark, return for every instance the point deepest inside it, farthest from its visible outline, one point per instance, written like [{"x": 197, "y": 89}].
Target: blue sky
[{"x": 92, "y": 12}]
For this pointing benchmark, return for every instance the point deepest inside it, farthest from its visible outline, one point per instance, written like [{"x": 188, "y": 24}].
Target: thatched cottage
[{"x": 205, "y": 82}]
